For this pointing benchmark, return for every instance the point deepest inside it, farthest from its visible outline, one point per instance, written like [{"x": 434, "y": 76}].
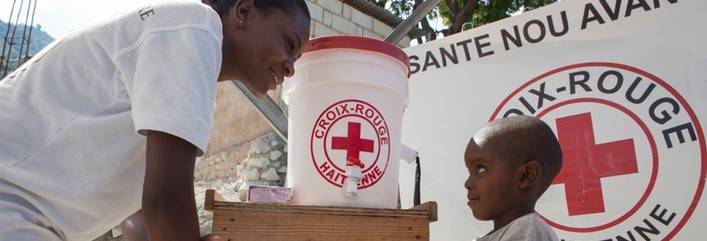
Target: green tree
[
  {"x": 456, "y": 14},
  {"x": 404, "y": 8}
]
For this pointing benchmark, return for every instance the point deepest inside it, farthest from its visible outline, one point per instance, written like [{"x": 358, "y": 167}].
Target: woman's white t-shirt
[{"x": 71, "y": 118}]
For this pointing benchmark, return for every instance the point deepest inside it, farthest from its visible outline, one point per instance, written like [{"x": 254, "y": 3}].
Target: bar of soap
[{"x": 269, "y": 194}]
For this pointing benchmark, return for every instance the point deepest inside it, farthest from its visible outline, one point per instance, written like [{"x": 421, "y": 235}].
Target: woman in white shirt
[{"x": 110, "y": 119}]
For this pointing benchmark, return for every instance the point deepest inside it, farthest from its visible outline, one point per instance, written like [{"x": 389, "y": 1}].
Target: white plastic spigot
[{"x": 350, "y": 188}]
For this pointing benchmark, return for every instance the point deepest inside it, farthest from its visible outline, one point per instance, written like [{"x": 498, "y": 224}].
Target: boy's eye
[{"x": 480, "y": 169}]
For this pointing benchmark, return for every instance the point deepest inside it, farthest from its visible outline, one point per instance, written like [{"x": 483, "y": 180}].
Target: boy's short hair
[{"x": 523, "y": 139}]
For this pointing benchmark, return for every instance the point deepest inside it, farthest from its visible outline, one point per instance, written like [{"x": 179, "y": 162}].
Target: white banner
[{"x": 628, "y": 76}]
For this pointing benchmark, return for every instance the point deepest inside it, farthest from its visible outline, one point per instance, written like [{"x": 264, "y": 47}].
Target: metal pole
[
  {"x": 268, "y": 109},
  {"x": 6, "y": 60},
  {"x": 29, "y": 38},
  {"x": 12, "y": 39},
  {"x": 420, "y": 12},
  {"x": 25, "y": 40}
]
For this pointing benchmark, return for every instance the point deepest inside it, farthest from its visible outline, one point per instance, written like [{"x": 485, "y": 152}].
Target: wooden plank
[
  {"x": 430, "y": 208},
  {"x": 211, "y": 198},
  {"x": 422, "y": 211},
  {"x": 267, "y": 222},
  {"x": 274, "y": 226}
]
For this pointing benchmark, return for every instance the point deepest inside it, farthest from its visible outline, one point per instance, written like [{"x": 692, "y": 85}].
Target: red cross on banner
[
  {"x": 353, "y": 144},
  {"x": 586, "y": 163}
]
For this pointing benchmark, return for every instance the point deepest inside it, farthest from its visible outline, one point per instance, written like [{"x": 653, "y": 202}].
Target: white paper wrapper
[{"x": 269, "y": 194}]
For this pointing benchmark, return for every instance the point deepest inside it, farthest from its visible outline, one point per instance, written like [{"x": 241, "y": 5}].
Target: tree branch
[
  {"x": 452, "y": 4},
  {"x": 463, "y": 15},
  {"x": 425, "y": 24}
]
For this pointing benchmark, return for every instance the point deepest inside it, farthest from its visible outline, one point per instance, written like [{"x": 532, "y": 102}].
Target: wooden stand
[{"x": 235, "y": 221}]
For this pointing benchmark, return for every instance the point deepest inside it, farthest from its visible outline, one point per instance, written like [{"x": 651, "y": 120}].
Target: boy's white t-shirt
[
  {"x": 530, "y": 227},
  {"x": 71, "y": 118}
]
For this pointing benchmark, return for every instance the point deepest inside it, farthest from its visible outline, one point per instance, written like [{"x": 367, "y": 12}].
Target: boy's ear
[{"x": 530, "y": 173}]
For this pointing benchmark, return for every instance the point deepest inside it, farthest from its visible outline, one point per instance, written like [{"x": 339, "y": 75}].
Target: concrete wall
[{"x": 332, "y": 17}]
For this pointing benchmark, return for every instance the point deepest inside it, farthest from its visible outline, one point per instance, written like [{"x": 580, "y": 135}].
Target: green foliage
[
  {"x": 486, "y": 11},
  {"x": 403, "y": 8}
]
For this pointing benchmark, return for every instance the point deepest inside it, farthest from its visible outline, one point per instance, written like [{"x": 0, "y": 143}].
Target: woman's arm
[{"x": 168, "y": 191}]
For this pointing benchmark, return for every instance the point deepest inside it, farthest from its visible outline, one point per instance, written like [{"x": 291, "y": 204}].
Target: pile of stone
[{"x": 266, "y": 164}]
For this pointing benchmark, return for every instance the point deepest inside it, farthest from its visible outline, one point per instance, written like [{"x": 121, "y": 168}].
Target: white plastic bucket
[{"x": 346, "y": 100}]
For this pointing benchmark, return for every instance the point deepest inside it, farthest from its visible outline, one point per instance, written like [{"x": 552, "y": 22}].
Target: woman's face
[{"x": 260, "y": 48}]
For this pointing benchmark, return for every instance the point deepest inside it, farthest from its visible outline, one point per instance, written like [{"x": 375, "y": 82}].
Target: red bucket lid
[{"x": 360, "y": 43}]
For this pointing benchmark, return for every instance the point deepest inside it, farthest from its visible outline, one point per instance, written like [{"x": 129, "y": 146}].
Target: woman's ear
[
  {"x": 530, "y": 173},
  {"x": 243, "y": 10}
]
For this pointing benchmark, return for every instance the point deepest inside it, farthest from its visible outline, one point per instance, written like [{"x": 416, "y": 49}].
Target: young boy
[{"x": 511, "y": 162}]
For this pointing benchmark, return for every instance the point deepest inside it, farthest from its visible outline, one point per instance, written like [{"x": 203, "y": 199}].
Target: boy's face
[{"x": 492, "y": 189}]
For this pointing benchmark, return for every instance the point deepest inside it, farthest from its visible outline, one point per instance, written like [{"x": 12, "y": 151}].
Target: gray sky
[{"x": 58, "y": 17}]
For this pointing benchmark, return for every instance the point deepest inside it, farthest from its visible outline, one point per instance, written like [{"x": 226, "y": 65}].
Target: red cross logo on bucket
[
  {"x": 634, "y": 158},
  {"x": 350, "y": 133},
  {"x": 353, "y": 144}
]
